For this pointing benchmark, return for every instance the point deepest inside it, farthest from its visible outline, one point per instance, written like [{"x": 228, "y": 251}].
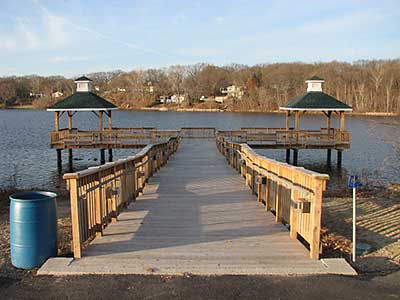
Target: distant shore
[{"x": 194, "y": 109}]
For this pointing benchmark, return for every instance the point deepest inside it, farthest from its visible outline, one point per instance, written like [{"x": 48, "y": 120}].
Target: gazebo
[
  {"x": 82, "y": 100},
  {"x": 315, "y": 100}
]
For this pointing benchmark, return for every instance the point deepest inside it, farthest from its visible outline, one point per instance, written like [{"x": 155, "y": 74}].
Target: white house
[
  {"x": 177, "y": 99},
  {"x": 57, "y": 94},
  {"x": 233, "y": 91},
  {"x": 220, "y": 99}
]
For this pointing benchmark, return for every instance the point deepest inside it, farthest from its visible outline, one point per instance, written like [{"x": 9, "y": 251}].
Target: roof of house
[
  {"x": 83, "y": 78},
  {"x": 82, "y": 101},
  {"x": 316, "y": 101},
  {"x": 315, "y": 78}
]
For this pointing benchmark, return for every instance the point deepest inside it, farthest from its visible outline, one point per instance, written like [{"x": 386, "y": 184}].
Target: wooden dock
[{"x": 195, "y": 216}]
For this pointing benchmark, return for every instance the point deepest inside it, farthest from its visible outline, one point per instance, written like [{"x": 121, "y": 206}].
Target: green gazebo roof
[
  {"x": 318, "y": 101},
  {"x": 315, "y": 78},
  {"x": 83, "y": 101},
  {"x": 83, "y": 78}
]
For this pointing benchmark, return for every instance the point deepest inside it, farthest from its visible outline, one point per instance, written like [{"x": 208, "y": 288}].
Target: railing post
[
  {"x": 98, "y": 206},
  {"x": 294, "y": 196},
  {"x": 75, "y": 218},
  {"x": 278, "y": 203},
  {"x": 267, "y": 193},
  {"x": 316, "y": 219}
]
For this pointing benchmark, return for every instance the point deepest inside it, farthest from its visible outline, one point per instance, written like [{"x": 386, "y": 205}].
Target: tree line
[{"x": 366, "y": 85}]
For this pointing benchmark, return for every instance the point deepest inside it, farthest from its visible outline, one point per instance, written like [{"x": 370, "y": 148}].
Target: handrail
[
  {"x": 99, "y": 194},
  {"x": 289, "y": 137},
  {"x": 123, "y": 136},
  {"x": 294, "y": 194}
]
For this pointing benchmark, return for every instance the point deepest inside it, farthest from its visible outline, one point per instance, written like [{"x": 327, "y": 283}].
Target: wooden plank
[{"x": 204, "y": 222}]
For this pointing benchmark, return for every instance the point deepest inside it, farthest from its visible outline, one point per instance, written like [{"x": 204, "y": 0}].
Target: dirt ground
[
  {"x": 202, "y": 287},
  {"x": 378, "y": 226}
]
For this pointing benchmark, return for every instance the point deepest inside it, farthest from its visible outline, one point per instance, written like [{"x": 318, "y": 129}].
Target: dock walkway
[{"x": 195, "y": 216}]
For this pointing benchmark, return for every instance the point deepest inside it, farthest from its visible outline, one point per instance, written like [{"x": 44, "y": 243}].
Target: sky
[{"x": 71, "y": 37}]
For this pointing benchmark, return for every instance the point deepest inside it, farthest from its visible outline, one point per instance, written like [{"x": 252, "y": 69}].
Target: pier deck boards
[{"x": 195, "y": 216}]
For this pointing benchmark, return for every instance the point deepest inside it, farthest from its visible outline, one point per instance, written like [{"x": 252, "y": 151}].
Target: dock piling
[
  {"x": 288, "y": 155},
  {"x": 102, "y": 157},
  {"x": 339, "y": 158},
  {"x": 110, "y": 155},
  {"x": 70, "y": 158},
  {"x": 328, "y": 156},
  {"x": 295, "y": 156},
  {"x": 59, "y": 160}
]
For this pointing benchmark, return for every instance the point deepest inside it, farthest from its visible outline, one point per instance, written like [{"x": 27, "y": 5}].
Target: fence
[
  {"x": 98, "y": 194},
  {"x": 294, "y": 194}
]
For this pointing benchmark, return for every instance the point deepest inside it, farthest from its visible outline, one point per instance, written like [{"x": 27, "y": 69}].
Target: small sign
[{"x": 353, "y": 182}]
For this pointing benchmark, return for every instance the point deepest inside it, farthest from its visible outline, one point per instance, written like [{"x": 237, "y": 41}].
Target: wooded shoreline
[{"x": 194, "y": 109}]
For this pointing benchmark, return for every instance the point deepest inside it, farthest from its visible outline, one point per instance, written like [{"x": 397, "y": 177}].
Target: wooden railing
[
  {"x": 98, "y": 194},
  {"x": 197, "y": 132},
  {"x": 122, "y": 137},
  {"x": 294, "y": 194},
  {"x": 280, "y": 137}
]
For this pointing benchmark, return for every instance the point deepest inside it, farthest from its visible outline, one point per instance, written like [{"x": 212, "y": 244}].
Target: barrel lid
[{"x": 32, "y": 196}]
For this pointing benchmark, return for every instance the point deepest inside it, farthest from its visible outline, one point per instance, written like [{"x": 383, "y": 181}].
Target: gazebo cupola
[
  {"x": 315, "y": 100},
  {"x": 83, "y": 84},
  {"x": 314, "y": 84},
  {"x": 83, "y": 100}
]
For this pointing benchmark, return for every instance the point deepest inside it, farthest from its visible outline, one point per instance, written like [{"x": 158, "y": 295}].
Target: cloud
[
  {"x": 8, "y": 43},
  {"x": 66, "y": 58},
  {"x": 346, "y": 22},
  {"x": 220, "y": 20},
  {"x": 51, "y": 32},
  {"x": 54, "y": 26},
  {"x": 26, "y": 36},
  {"x": 56, "y": 29}
]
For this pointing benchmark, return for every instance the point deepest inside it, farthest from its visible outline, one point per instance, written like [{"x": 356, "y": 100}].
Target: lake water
[{"x": 28, "y": 162}]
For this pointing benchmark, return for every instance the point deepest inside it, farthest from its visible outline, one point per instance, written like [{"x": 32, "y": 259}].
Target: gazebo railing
[{"x": 289, "y": 138}]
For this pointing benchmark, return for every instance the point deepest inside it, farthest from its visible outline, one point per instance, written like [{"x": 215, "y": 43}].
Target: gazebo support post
[
  {"x": 109, "y": 120},
  {"x": 70, "y": 114},
  {"x": 342, "y": 122},
  {"x": 328, "y": 122},
  {"x": 296, "y": 125},
  {"x": 56, "y": 120},
  {"x": 100, "y": 115},
  {"x": 110, "y": 155},
  {"x": 287, "y": 120}
]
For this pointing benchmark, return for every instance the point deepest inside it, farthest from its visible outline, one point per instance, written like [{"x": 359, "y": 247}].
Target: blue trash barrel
[{"x": 33, "y": 228}]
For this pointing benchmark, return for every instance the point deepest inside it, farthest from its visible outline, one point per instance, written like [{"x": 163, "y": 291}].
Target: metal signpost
[{"x": 354, "y": 183}]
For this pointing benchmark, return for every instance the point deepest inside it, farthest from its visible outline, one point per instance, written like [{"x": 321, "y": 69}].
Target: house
[
  {"x": 121, "y": 90},
  {"x": 37, "y": 95},
  {"x": 162, "y": 99},
  {"x": 149, "y": 88},
  {"x": 221, "y": 99},
  {"x": 233, "y": 91},
  {"x": 177, "y": 99},
  {"x": 57, "y": 94}
]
